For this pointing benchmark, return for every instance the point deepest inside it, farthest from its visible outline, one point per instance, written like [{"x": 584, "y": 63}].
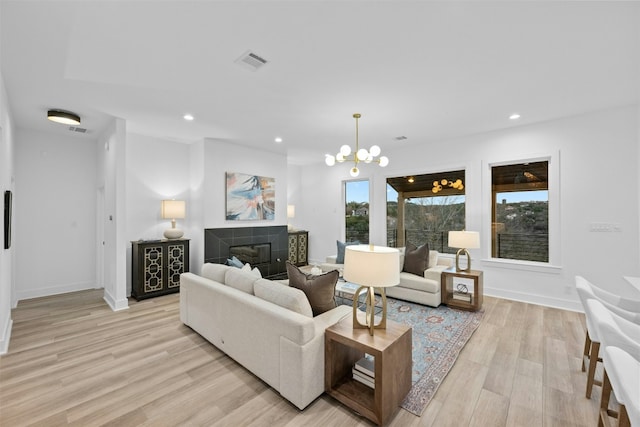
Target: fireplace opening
[{"x": 252, "y": 254}]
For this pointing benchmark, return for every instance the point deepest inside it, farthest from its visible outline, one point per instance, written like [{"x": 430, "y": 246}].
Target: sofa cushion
[
  {"x": 341, "y": 246},
  {"x": 241, "y": 280},
  {"x": 416, "y": 260},
  {"x": 215, "y": 272},
  {"x": 433, "y": 259},
  {"x": 290, "y": 298},
  {"x": 320, "y": 290},
  {"x": 419, "y": 283}
]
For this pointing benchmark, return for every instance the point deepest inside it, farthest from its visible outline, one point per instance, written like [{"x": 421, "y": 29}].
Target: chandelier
[
  {"x": 455, "y": 184},
  {"x": 360, "y": 155}
]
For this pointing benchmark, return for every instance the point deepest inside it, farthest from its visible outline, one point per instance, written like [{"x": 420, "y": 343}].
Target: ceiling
[{"x": 423, "y": 70}]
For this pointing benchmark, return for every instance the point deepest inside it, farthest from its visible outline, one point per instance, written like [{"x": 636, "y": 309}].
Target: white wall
[
  {"x": 221, "y": 157},
  {"x": 55, "y": 214},
  {"x": 157, "y": 169},
  {"x": 111, "y": 182},
  {"x": 7, "y": 271},
  {"x": 597, "y": 154}
]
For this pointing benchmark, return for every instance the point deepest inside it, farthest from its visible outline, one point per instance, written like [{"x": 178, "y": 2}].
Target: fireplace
[
  {"x": 266, "y": 248},
  {"x": 252, "y": 254}
]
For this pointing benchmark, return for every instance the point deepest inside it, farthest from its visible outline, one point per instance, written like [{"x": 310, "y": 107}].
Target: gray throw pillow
[
  {"x": 416, "y": 260},
  {"x": 341, "y": 246},
  {"x": 320, "y": 290}
]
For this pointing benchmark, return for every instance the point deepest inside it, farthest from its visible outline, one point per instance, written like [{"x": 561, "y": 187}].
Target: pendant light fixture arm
[{"x": 359, "y": 155}]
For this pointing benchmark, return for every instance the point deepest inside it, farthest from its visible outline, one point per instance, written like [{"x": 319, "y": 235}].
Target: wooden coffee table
[{"x": 391, "y": 349}]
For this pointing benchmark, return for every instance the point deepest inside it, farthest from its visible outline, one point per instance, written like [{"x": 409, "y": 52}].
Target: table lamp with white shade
[
  {"x": 291, "y": 213},
  {"x": 173, "y": 209},
  {"x": 464, "y": 240},
  {"x": 371, "y": 267}
]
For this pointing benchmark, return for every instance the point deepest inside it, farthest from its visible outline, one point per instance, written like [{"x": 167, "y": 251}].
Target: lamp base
[
  {"x": 370, "y": 299},
  {"x": 173, "y": 233},
  {"x": 460, "y": 252}
]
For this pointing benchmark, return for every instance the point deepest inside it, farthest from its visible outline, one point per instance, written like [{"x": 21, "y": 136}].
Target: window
[
  {"x": 424, "y": 208},
  {"x": 520, "y": 211},
  {"x": 356, "y": 196}
]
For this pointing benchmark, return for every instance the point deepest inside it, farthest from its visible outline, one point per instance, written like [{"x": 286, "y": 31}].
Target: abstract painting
[{"x": 250, "y": 197}]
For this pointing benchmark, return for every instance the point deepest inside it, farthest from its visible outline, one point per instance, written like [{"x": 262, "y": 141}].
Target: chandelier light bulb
[
  {"x": 362, "y": 154},
  {"x": 354, "y": 172},
  {"x": 339, "y": 158},
  {"x": 374, "y": 150},
  {"x": 384, "y": 161},
  {"x": 369, "y": 159},
  {"x": 330, "y": 160},
  {"x": 345, "y": 150}
]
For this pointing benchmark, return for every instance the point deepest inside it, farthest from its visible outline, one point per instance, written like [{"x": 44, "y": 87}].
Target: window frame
[
  {"x": 554, "y": 263},
  {"x": 344, "y": 205}
]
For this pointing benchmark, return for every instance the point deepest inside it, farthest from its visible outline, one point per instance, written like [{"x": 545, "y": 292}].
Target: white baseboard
[
  {"x": 5, "y": 336},
  {"x": 563, "y": 304},
  {"x": 54, "y": 290},
  {"x": 116, "y": 305}
]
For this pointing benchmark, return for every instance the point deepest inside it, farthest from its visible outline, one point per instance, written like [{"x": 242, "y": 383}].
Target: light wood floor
[{"x": 72, "y": 361}]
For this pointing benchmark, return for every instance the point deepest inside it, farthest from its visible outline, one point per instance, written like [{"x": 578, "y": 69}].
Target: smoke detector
[{"x": 251, "y": 61}]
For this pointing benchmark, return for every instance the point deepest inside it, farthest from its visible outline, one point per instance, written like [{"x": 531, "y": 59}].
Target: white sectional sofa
[
  {"x": 419, "y": 289},
  {"x": 265, "y": 326}
]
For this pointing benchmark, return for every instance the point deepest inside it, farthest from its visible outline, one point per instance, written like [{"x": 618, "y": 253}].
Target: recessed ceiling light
[
  {"x": 278, "y": 140},
  {"x": 64, "y": 117},
  {"x": 514, "y": 116},
  {"x": 188, "y": 117}
]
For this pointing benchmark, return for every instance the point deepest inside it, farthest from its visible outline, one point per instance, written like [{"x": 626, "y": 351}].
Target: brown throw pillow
[
  {"x": 320, "y": 290},
  {"x": 416, "y": 260}
]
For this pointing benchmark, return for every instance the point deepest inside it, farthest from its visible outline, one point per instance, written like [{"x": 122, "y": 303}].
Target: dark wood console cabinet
[
  {"x": 156, "y": 266},
  {"x": 298, "y": 247}
]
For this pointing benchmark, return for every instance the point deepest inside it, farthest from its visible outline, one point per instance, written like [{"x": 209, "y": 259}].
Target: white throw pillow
[{"x": 254, "y": 270}]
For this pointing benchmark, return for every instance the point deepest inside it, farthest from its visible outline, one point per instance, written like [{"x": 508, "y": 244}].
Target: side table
[
  {"x": 391, "y": 348},
  {"x": 453, "y": 298}
]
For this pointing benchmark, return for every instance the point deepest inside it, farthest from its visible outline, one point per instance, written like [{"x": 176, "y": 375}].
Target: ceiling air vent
[
  {"x": 400, "y": 138},
  {"x": 251, "y": 61},
  {"x": 77, "y": 129}
]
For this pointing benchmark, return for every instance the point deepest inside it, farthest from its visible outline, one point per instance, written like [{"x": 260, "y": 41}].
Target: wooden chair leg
[
  {"x": 587, "y": 347},
  {"x": 603, "y": 414},
  {"x": 623, "y": 417},
  {"x": 593, "y": 360}
]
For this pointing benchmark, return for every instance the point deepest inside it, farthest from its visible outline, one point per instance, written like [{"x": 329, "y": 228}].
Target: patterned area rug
[{"x": 438, "y": 336}]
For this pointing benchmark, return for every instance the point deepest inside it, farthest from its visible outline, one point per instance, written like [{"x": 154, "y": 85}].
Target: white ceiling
[{"x": 421, "y": 69}]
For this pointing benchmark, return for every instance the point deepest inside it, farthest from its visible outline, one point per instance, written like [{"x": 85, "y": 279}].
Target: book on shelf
[
  {"x": 366, "y": 365},
  {"x": 462, "y": 296},
  {"x": 363, "y": 378}
]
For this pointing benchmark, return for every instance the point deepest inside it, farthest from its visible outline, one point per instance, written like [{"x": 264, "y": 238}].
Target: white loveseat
[
  {"x": 272, "y": 335},
  {"x": 419, "y": 289}
]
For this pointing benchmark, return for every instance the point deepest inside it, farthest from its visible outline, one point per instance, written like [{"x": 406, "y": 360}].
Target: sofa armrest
[
  {"x": 331, "y": 317},
  {"x": 331, "y": 259},
  {"x": 445, "y": 261},
  {"x": 434, "y": 273}
]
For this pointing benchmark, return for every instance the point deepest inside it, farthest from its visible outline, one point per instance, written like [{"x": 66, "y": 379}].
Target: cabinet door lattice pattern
[
  {"x": 293, "y": 248},
  {"x": 153, "y": 268},
  {"x": 175, "y": 265},
  {"x": 302, "y": 249}
]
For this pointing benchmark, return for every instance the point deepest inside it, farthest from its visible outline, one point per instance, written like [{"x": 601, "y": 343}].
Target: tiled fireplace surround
[{"x": 218, "y": 241}]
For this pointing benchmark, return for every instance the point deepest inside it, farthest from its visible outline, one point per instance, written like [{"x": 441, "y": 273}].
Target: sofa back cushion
[
  {"x": 241, "y": 280},
  {"x": 215, "y": 272},
  {"x": 320, "y": 290},
  {"x": 290, "y": 298}
]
